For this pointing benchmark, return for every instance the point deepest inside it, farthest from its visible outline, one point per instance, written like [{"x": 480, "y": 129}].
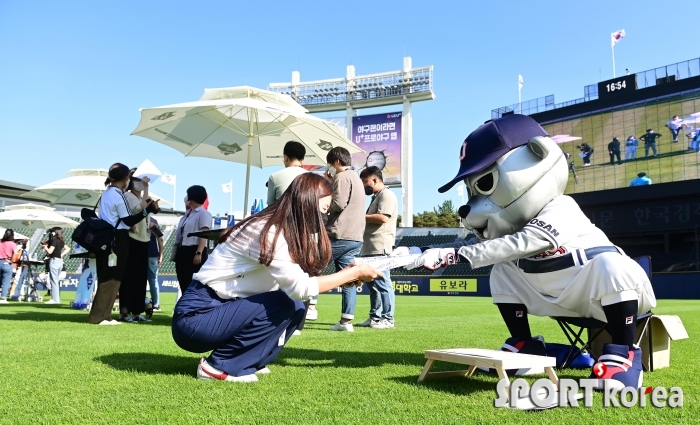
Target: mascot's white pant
[{"x": 578, "y": 291}]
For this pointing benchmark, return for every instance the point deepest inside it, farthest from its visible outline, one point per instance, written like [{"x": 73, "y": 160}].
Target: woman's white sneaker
[
  {"x": 206, "y": 372},
  {"x": 343, "y": 327}
]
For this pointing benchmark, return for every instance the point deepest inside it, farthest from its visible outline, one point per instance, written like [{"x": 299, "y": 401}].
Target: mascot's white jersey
[{"x": 560, "y": 264}]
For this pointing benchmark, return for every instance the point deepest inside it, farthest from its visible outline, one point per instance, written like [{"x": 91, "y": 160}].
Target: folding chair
[{"x": 567, "y": 325}]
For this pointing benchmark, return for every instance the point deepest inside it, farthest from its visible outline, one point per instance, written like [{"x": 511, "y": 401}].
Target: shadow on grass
[
  {"x": 53, "y": 313},
  {"x": 291, "y": 356},
  {"x": 453, "y": 385},
  {"x": 150, "y": 363}
]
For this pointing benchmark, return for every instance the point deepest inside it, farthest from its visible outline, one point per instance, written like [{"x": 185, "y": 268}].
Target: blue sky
[{"x": 74, "y": 74}]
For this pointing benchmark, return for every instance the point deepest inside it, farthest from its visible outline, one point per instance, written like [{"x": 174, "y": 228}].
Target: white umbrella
[
  {"x": 32, "y": 216},
  {"x": 562, "y": 138},
  {"x": 82, "y": 188},
  {"x": 241, "y": 124},
  {"x": 18, "y": 236}
]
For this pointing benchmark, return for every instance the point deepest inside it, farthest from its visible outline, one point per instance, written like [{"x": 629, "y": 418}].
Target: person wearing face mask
[
  {"x": 379, "y": 238},
  {"x": 191, "y": 251},
  {"x": 132, "y": 291},
  {"x": 245, "y": 302},
  {"x": 345, "y": 224},
  {"x": 114, "y": 209}
]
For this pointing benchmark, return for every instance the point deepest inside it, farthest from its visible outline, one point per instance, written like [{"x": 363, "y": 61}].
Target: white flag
[
  {"x": 520, "y": 82},
  {"x": 617, "y": 36},
  {"x": 460, "y": 190},
  {"x": 226, "y": 187},
  {"x": 168, "y": 179}
]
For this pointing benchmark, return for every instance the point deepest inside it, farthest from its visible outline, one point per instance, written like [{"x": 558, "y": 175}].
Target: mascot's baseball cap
[{"x": 490, "y": 141}]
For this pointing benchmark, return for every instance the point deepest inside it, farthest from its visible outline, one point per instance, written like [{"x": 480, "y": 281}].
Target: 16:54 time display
[{"x": 616, "y": 86}]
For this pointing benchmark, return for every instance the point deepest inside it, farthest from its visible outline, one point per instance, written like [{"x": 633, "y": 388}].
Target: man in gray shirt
[
  {"x": 294, "y": 153},
  {"x": 379, "y": 238},
  {"x": 345, "y": 224}
]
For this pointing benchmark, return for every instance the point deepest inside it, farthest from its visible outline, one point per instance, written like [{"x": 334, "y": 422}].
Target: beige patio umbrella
[
  {"x": 241, "y": 124},
  {"x": 83, "y": 188}
]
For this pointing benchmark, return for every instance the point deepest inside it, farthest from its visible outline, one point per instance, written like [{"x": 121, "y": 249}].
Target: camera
[{"x": 151, "y": 208}]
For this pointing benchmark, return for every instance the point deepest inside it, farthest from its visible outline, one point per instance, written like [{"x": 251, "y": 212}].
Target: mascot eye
[{"x": 487, "y": 183}]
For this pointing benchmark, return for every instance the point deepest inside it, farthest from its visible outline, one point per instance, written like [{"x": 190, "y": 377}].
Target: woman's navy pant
[{"x": 243, "y": 335}]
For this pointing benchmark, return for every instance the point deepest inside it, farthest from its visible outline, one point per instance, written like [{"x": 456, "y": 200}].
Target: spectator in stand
[
  {"x": 8, "y": 247},
  {"x": 649, "y": 141},
  {"x": 191, "y": 250},
  {"x": 379, "y": 238},
  {"x": 345, "y": 225},
  {"x": 132, "y": 291},
  {"x": 631, "y": 148},
  {"x": 245, "y": 302},
  {"x": 55, "y": 249},
  {"x": 614, "y": 151},
  {"x": 155, "y": 260},
  {"x": 293, "y": 158},
  {"x": 114, "y": 210},
  {"x": 641, "y": 180}
]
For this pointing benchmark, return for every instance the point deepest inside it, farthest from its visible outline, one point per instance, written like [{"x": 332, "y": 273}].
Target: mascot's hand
[
  {"x": 435, "y": 258},
  {"x": 402, "y": 251}
]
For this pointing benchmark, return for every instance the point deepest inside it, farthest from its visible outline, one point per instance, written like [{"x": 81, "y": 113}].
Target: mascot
[{"x": 549, "y": 259}]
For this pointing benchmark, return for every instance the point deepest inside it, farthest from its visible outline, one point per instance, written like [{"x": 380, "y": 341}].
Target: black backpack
[{"x": 93, "y": 233}]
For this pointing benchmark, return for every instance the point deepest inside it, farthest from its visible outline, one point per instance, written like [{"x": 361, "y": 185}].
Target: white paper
[
  {"x": 387, "y": 263},
  {"x": 147, "y": 169}
]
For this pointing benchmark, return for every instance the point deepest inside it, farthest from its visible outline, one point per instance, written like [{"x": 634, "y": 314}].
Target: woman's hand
[
  {"x": 197, "y": 259},
  {"x": 365, "y": 272},
  {"x": 145, "y": 181}
]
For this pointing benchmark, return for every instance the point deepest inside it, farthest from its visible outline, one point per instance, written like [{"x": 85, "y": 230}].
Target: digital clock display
[{"x": 617, "y": 86}]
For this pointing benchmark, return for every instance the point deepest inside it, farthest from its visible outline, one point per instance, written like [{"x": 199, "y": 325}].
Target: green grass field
[{"x": 57, "y": 369}]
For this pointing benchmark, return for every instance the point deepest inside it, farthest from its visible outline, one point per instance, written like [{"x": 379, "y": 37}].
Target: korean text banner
[{"x": 380, "y": 137}]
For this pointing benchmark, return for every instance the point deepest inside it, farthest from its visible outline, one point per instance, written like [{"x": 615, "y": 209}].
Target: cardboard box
[{"x": 660, "y": 332}]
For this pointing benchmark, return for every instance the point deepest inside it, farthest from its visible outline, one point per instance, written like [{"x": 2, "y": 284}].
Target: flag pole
[
  {"x": 613, "y": 56},
  {"x": 230, "y": 201},
  {"x": 520, "y": 87},
  {"x": 174, "y": 195}
]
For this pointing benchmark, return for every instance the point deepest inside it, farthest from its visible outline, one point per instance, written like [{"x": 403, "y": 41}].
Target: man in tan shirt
[
  {"x": 346, "y": 224},
  {"x": 379, "y": 238}
]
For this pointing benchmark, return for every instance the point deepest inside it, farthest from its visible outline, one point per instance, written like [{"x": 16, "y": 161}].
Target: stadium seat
[{"x": 596, "y": 327}]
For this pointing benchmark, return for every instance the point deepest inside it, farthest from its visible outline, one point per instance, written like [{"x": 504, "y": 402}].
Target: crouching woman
[{"x": 246, "y": 301}]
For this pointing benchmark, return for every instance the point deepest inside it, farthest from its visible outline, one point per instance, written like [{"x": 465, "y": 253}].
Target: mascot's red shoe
[{"x": 619, "y": 366}]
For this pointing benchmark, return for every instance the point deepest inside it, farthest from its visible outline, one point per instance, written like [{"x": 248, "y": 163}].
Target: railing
[
  {"x": 645, "y": 79},
  {"x": 367, "y": 87}
]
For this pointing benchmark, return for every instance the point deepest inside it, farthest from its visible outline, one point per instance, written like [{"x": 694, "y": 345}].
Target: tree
[{"x": 443, "y": 215}]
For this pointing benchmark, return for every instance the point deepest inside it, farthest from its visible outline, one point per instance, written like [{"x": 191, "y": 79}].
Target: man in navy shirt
[{"x": 649, "y": 141}]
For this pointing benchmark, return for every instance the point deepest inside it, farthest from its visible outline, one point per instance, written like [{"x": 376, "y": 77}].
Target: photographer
[
  {"x": 55, "y": 249},
  {"x": 586, "y": 152},
  {"x": 133, "y": 287},
  {"x": 114, "y": 210}
]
